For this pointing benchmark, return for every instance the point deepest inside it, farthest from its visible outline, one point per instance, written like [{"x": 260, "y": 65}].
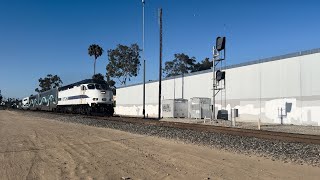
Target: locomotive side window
[{"x": 90, "y": 86}]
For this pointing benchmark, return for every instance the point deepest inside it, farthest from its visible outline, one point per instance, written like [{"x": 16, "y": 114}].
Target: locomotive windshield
[
  {"x": 98, "y": 86},
  {"x": 90, "y": 86}
]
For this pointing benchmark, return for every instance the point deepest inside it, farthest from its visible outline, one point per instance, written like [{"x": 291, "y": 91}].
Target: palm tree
[{"x": 96, "y": 51}]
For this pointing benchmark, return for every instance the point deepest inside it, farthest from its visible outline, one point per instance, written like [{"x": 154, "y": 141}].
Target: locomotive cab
[{"x": 97, "y": 93}]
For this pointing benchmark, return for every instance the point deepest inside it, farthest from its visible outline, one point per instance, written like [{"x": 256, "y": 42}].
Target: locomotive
[{"x": 84, "y": 97}]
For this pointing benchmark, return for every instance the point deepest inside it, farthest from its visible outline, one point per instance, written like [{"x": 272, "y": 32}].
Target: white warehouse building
[{"x": 258, "y": 89}]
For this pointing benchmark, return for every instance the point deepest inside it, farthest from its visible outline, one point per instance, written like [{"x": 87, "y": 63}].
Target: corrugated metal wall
[{"x": 258, "y": 89}]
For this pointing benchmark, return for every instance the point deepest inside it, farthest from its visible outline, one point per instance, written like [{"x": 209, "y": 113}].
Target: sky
[{"x": 40, "y": 37}]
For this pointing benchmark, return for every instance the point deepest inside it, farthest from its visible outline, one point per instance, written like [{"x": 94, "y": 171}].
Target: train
[{"x": 84, "y": 97}]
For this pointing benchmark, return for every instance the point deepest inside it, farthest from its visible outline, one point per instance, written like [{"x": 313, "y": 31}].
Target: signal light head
[
  {"x": 220, "y": 43},
  {"x": 220, "y": 75}
]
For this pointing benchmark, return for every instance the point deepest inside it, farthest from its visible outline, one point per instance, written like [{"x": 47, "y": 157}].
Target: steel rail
[{"x": 261, "y": 134}]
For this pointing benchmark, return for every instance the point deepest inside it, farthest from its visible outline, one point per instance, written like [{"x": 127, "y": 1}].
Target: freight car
[{"x": 84, "y": 97}]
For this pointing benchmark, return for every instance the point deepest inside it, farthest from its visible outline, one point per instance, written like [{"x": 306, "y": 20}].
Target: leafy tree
[
  {"x": 203, "y": 65},
  {"x": 96, "y": 51},
  {"x": 111, "y": 84},
  {"x": 109, "y": 81},
  {"x": 48, "y": 83},
  {"x": 98, "y": 76},
  {"x": 10, "y": 103},
  {"x": 124, "y": 62},
  {"x": 181, "y": 64}
]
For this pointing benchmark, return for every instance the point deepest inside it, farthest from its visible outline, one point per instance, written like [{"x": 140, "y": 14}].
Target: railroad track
[{"x": 262, "y": 134}]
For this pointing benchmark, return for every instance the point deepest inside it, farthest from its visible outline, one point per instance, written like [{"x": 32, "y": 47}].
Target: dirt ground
[{"x": 38, "y": 148}]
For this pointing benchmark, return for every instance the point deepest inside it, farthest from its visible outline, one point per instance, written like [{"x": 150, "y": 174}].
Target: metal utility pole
[
  {"x": 182, "y": 86},
  {"x": 215, "y": 55},
  {"x": 144, "y": 64},
  {"x": 160, "y": 62},
  {"x": 219, "y": 75},
  {"x": 259, "y": 120}
]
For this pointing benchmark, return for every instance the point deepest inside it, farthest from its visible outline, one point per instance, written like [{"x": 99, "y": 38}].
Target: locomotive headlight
[{"x": 95, "y": 99}]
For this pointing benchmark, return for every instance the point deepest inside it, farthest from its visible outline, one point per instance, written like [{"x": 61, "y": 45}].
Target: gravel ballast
[{"x": 276, "y": 150}]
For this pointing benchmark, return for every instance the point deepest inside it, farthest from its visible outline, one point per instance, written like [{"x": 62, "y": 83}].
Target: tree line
[
  {"x": 124, "y": 64},
  {"x": 0, "y": 98},
  {"x": 9, "y": 102},
  {"x": 183, "y": 64}
]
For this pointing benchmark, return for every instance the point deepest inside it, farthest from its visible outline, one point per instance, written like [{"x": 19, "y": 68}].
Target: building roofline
[{"x": 264, "y": 60}]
